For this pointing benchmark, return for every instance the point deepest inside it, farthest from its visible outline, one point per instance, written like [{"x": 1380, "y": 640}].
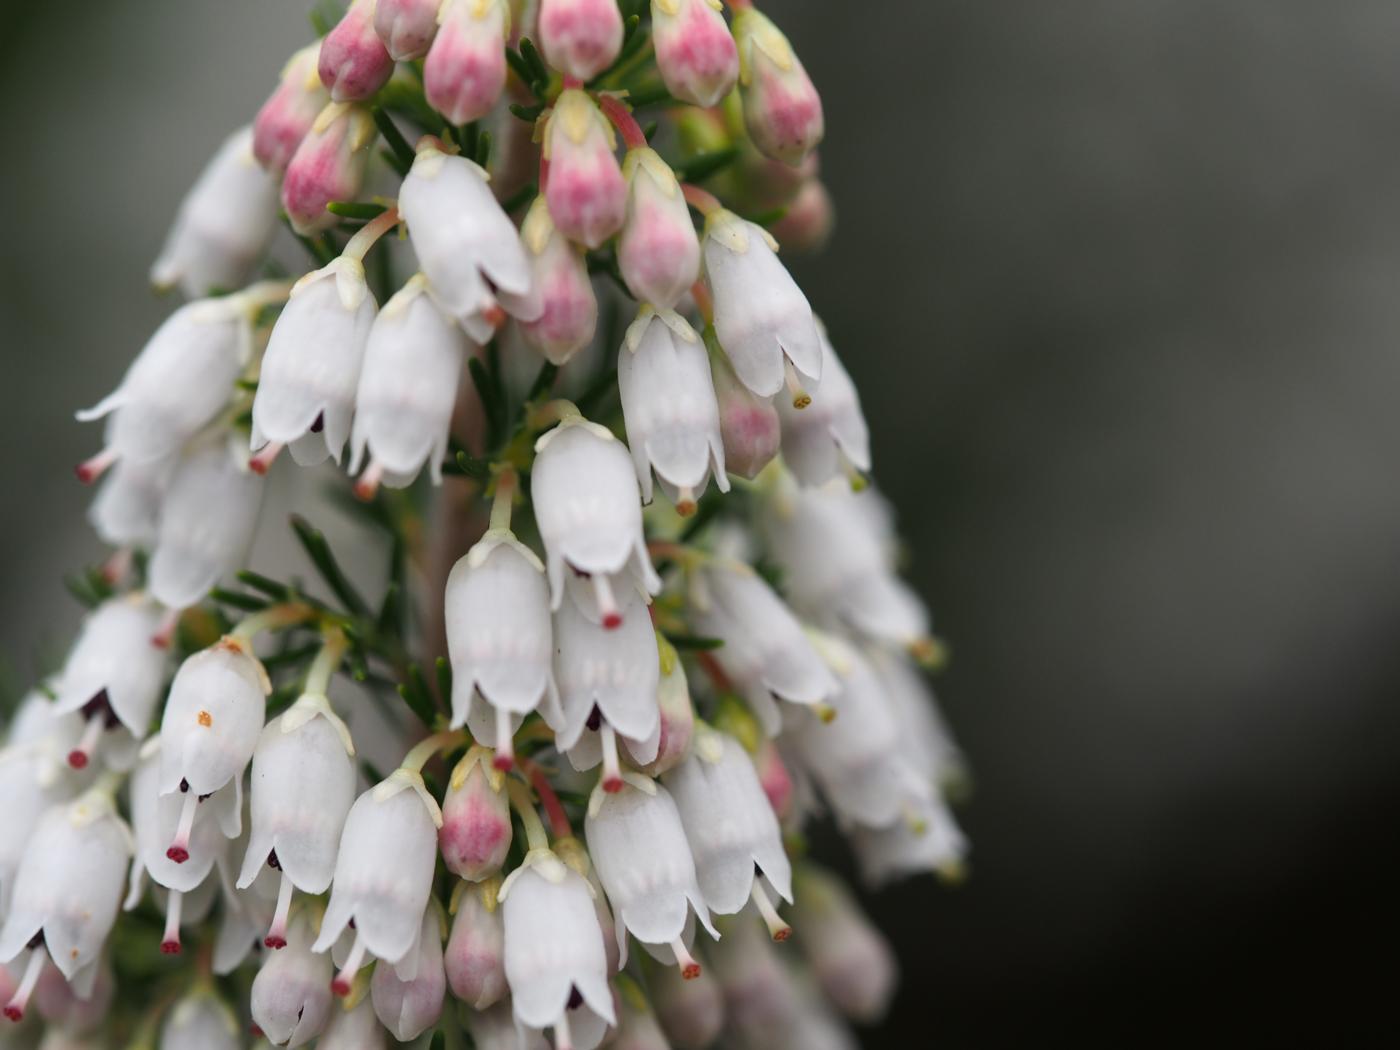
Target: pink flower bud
[
  {"x": 677, "y": 719},
  {"x": 354, "y": 63},
  {"x": 475, "y": 964},
  {"x": 586, "y": 192},
  {"x": 475, "y": 834},
  {"x": 748, "y": 424},
  {"x": 288, "y": 114},
  {"x": 658, "y": 251},
  {"x": 851, "y": 959},
  {"x": 466, "y": 67},
  {"x": 695, "y": 52},
  {"x": 691, "y": 1012},
  {"x": 782, "y": 109},
  {"x": 406, "y": 27},
  {"x": 807, "y": 223},
  {"x": 329, "y": 165},
  {"x": 774, "y": 777},
  {"x": 569, "y": 313},
  {"x": 580, "y": 38}
]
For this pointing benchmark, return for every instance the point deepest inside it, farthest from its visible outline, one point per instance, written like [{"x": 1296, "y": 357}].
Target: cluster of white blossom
[{"x": 734, "y": 662}]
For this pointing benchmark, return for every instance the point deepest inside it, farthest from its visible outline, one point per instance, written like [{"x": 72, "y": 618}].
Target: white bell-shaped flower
[
  {"x": 408, "y": 1008},
  {"x": 689, "y": 1010},
  {"x": 924, "y": 736},
  {"x": 500, "y": 639},
  {"x": 495, "y": 1029},
  {"x": 590, "y": 516},
  {"x": 765, "y": 651},
  {"x": 695, "y": 52},
  {"x": 200, "y": 1021},
  {"x": 247, "y": 913},
  {"x": 465, "y": 243},
  {"x": 586, "y": 192},
  {"x": 568, "y": 314},
  {"x": 206, "y": 525},
  {"x": 407, "y": 388},
  {"x": 303, "y": 784},
  {"x": 475, "y": 959},
  {"x": 66, "y": 894},
  {"x": 354, "y": 1029},
  {"x": 668, "y": 403},
  {"x": 658, "y": 252},
  {"x": 311, "y": 369},
  {"x": 126, "y": 511},
  {"x": 763, "y": 320},
  {"x": 406, "y": 27},
  {"x": 476, "y": 832},
  {"x": 179, "y": 382},
  {"x": 113, "y": 676},
  {"x": 639, "y": 850},
  {"x": 732, "y": 831},
  {"x": 928, "y": 840},
  {"x": 554, "y": 956},
  {"x": 608, "y": 682},
  {"x": 828, "y": 438},
  {"x": 291, "y": 998},
  {"x": 850, "y": 958},
  {"x": 30, "y": 789},
  {"x": 383, "y": 875},
  {"x": 224, "y": 224}
]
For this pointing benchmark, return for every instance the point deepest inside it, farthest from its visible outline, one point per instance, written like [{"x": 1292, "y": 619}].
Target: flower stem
[
  {"x": 359, "y": 245},
  {"x": 503, "y": 499},
  {"x": 703, "y": 201},
  {"x": 622, "y": 119},
  {"x": 529, "y": 819},
  {"x": 273, "y": 618},
  {"x": 546, "y": 415},
  {"x": 419, "y": 756},
  {"x": 559, "y": 824},
  {"x": 333, "y": 647}
]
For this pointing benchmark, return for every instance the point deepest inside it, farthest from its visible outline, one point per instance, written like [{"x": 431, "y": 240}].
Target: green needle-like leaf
[
  {"x": 402, "y": 152},
  {"x": 319, "y": 551},
  {"x": 699, "y": 168}
]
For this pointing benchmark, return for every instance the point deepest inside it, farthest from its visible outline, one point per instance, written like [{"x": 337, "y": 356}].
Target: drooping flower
[
  {"x": 928, "y": 840},
  {"x": 925, "y": 738},
  {"x": 495, "y": 1029},
  {"x": 695, "y": 52},
  {"x": 586, "y": 192},
  {"x": 568, "y": 315},
  {"x": 328, "y": 165},
  {"x": 406, "y": 27},
  {"x": 749, "y": 425},
  {"x": 200, "y": 1021},
  {"x": 356, "y": 1028},
  {"x": 580, "y": 38},
  {"x": 850, "y": 958},
  {"x": 782, "y": 110},
  {"x": 689, "y": 1010},
  {"x": 224, "y": 224},
  {"x": 408, "y": 1007},
  {"x": 291, "y": 998},
  {"x": 828, "y": 438},
  {"x": 287, "y": 115},
  {"x": 476, "y": 832},
  {"x": 658, "y": 252},
  {"x": 475, "y": 960},
  {"x": 354, "y": 63},
  {"x": 126, "y": 511},
  {"x": 30, "y": 788},
  {"x": 466, "y": 67},
  {"x": 762, "y": 319},
  {"x": 761, "y": 1000},
  {"x": 668, "y": 403}
]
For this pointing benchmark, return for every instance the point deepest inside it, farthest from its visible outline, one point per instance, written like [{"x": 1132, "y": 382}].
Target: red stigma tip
[
  {"x": 340, "y": 987},
  {"x": 255, "y": 1031},
  {"x": 78, "y": 759},
  {"x": 170, "y": 947},
  {"x": 364, "y": 491},
  {"x": 783, "y": 934},
  {"x": 85, "y": 475},
  {"x": 612, "y": 621},
  {"x": 257, "y": 466},
  {"x": 275, "y": 943},
  {"x": 160, "y": 641},
  {"x": 178, "y": 854},
  {"x": 14, "y": 1013},
  {"x": 612, "y": 785},
  {"x": 494, "y": 316},
  {"x": 691, "y": 972},
  {"x": 505, "y": 763}
]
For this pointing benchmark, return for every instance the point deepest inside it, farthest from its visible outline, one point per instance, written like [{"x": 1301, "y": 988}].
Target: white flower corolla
[
  {"x": 383, "y": 875},
  {"x": 354, "y": 62},
  {"x": 475, "y": 959},
  {"x": 224, "y": 224},
  {"x": 500, "y": 639},
  {"x": 409, "y": 1007},
  {"x": 580, "y": 38},
  {"x": 113, "y": 676},
  {"x": 589, "y": 512},
  {"x": 311, "y": 369},
  {"x": 465, "y": 242},
  {"x": 640, "y": 853},
  {"x": 690, "y": 1011},
  {"x": 924, "y": 736},
  {"x": 568, "y": 318},
  {"x": 329, "y": 165},
  {"x": 247, "y": 914},
  {"x": 658, "y": 252},
  {"x": 782, "y": 110},
  {"x": 291, "y": 998},
  {"x": 406, "y": 27},
  {"x": 608, "y": 681},
  {"x": 302, "y": 787},
  {"x": 289, "y": 112},
  {"x": 180, "y": 381},
  {"x": 856, "y": 758},
  {"x": 929, "y": 840},
  {"x": 29, "y": 790},
  {"x": 585, "y": 190},
  {"x": 356, "y": 1028},
  {"x": 765, "y": 651},
  {"x": 465, "y": 70},
  {"x": 850, "y": 958},
  {"x": 407, "y": 388},
  {"x": 669, "y": 406},
  {"x": 554, "y": 956},
  {"x": 200, "y": 1021},
  {"x": 732, "y": 831},
  {"x": 476, "y": 832},
  {"x": 828, "y": 438},
  {"x": 695, "y": 52},
  {"x": 495, "y": 1029},
  {"x": 762, "y": 319},
  {"x": 66, "y": 894},
  {"x": 126, "y": 511},
  {"x": 206, "y": 525}
]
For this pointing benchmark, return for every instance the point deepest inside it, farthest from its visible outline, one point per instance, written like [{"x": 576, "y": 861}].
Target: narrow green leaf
[
  {"x": 529, "y": 114},
  {"x": 695, "y": 643},
  {"x": 521, "y": 67},
  {"x": 530, "y": 53},
  {"x": 473, "y": 467},
  {"x": 483, "y": 150},
  {"x": 238, "y": 600},
  {"x": 520, "y": 197},
  {"x": 701, "y": 167},
  {"x": 355, "y": 209},
  {"x": 402, "y": 158},
  {"x": 319, "y": 551},
  {"x": 490, "y": 403},
  {"x": 444, "y": 680},
  {"x": 656, "y": 95},
  {"x": 274, "y": 590}
]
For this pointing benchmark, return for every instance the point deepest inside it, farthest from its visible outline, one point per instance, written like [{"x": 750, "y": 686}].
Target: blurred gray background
[{"x": 1117, "y": 281}]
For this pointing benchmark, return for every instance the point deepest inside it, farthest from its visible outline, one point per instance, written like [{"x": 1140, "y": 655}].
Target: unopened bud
[
  {"x": 474, "y": 960},
  {"x": 748, "y": 424},
  {"x": 569, "y": 307},
  {"x": 695, "y": 52},
  {"x": 580, "y": 38},
  {"x": 466, "y": 67},
  {"x": 476, "y": 833},
  {"x": 851, "y": 959},
  {"x": 658, "y": 251},
  {"x": 806, "y": 225},
  {"x": 406, "y": 27},
  {"x": 586, "y": 193},
  {"x": 354, "y": 63},
  {"x": 782, "y": 109},
  {"x": 329, "y": 165},
  {"x": 288, "y": 114}
]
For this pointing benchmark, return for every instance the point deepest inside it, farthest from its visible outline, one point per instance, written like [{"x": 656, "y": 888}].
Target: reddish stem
[
  {"x": 623, "y": 120},
  {"x": 571, "y": 82},
  {"x": 739, "y": 5},
  {"x": 711, "y": 667},
  {"x": 544, "y": 173},
  {"x": 700, "y": 292},
  {"x": 703, "y": 201},
  {"x": 559, "y": 825}
]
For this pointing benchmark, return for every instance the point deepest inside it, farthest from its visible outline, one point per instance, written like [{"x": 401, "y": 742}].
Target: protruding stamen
[
  {"x": 81, "y": 755},
  {"x": 262, "y": 460},
  {"x": 607, "y": 603},
  {"x": 14, "y": 1009},
  {"x": 170, "y": 942},
  {"x": 505, "y": 744},
  {"x": 779, "y": 929},
  {"x": 277, "y": 933},
  {"x": 563, "y": 1038},
  {"x": 800, "y": 397},
  {"x": 690, "y": 969},
  {"x": 115, "y": 568},
  {"x": 494, "y": 315},
  {"x": 612, "y": 772},
  {"x": 89, "y": 470},
  {"x": 685, "y": 502},
  {"x": 179, "y": 850},
  {"x": 345, "y": 979},
  {"x": 165, "y": 630},
  {"x": 368, "y": 484}
]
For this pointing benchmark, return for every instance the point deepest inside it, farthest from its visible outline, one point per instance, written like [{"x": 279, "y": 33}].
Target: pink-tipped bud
[
  {"x": 288, "y": 114},
  {"x": 474, "y": 957},
  {"x": 658, "y": 251},
  {"x": 807, "y": 223},
  {"x": 569, "y": 307},
  {"x": 677, "y": 720},
  {"x": 749, "y": 425},
  {"x": 695, "y": 52},
  {"x": 774, "y": 777},
  {"x": 580, "y": 38},
  {"x": 406, "y": 27},
  {"x": 329, "y": 165},
  {"x": 782, "y": 109},
  {"x": 476, "y": 833},
  {"x": 586, "y": 192},
  {"x": 354, "y": 63},
  {"x": 466, "y": 68}
]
